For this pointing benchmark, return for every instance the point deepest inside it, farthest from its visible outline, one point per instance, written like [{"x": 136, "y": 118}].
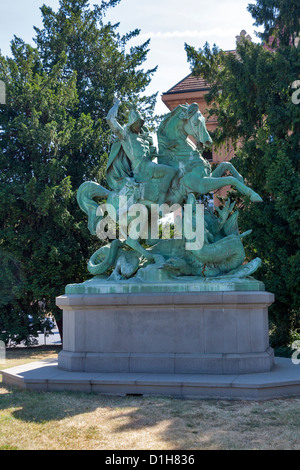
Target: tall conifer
[
  {"x": 53, "y": 137},
  {"x": 251, "y": 96}
]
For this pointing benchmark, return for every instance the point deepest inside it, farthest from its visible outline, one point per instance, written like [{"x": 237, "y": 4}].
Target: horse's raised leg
[
  {"x": 227, "y": 166},
  {"x": 206, "y": 184}
]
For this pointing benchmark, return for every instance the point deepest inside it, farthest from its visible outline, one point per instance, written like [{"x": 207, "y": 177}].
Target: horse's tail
[{"x": 85, "y": 198}]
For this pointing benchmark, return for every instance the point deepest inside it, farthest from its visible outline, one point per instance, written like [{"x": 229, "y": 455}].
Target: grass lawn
[{"x": 68, "y": 420}]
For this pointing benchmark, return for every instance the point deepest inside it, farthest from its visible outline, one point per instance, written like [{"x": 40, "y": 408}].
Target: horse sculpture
[
  {"x": 177, "y": 150},
  {"x": 180, "y": 176}
]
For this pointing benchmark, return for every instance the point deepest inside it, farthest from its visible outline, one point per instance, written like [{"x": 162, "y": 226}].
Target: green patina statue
[{"x": 206, "y": 246}]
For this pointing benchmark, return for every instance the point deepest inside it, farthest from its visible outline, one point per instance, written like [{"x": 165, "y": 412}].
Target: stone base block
[
  {"x": 282, "y": 381},
  {"x": 167, "y": 363},
  {"x": 167, "y": 333}
]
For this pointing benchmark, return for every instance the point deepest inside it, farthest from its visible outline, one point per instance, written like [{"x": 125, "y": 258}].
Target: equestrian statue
[{"x": 144, "y": 179}]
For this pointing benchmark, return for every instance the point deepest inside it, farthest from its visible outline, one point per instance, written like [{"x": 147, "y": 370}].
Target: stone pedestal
[{"x": 167, "y": 333}]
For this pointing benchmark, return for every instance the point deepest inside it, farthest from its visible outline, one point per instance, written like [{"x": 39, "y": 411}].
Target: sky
[{"x": 168, "y": 23}]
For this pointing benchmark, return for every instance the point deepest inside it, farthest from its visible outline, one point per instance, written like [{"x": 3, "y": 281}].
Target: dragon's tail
[
  {"x": 104, "y": 258},
  {"x": 85, "y": 198}
]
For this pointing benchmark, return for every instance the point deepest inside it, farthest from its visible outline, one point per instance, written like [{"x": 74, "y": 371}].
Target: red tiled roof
[{"x": 189, "y": 83}]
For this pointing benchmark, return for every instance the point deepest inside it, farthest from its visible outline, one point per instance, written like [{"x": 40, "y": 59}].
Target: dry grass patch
[
  {"x": 19, "y": 355},
  {"x": 35, "y": 420}
]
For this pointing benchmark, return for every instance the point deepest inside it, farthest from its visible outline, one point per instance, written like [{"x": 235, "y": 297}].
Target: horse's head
[
  {"x": 194, "y": 125},
  {"x": 184, "y": 120}
]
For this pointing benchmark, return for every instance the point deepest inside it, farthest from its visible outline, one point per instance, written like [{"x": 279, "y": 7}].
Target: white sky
[{"x": 169, "y": 24}]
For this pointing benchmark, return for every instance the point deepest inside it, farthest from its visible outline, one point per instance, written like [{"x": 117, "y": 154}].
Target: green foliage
[
  {"x": 98, "y": 54},
  {"x": 280, "y": 18},
  {"x": 251, "y": 98},
  {"x": 53, "y": 136}
]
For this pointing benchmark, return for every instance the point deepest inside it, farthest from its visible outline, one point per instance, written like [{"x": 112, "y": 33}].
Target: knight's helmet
[{"x": 135, "y": 119}]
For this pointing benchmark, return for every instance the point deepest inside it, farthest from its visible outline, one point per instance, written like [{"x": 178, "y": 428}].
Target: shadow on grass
[
  {"x": 165, "y": 419},
  {"x": 177, "y": 423},
  {"x": 160, "y": 422},
  {"x": 173, "y": 423}
]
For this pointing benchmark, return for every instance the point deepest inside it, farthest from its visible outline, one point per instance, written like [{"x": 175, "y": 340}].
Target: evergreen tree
[
  {"x": 98, "y": 53},
  {"x": 280, "y": 19},
  {"x": 251, "y": 96},
  {"x": 53, "y": 137}
]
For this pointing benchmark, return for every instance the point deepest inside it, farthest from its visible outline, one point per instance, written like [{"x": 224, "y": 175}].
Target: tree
[
  {"x": 280, "y": 19},
  {"x": 251, "y": 98},
  {"x": 98, "y": 53},
  {"x": 40, "y": 236},
  {"x": 53, "y": 137}
]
